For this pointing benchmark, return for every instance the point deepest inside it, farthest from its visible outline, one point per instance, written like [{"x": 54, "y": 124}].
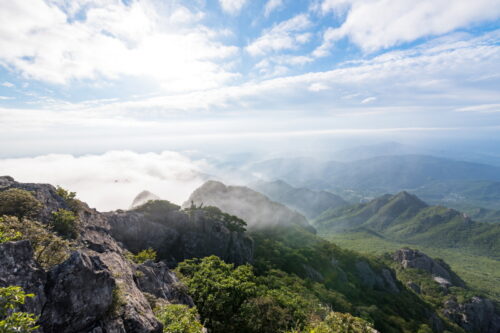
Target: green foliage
[
  {"x": 65, "y": 223},
  {"x": 69, "y": 198},
  {"x": 141, "y": 257},
  {"x": 218, "y": 290},
  {"x": 178, "y": 318},
  {"x": 337, "y": 322},
  {"x": 157, "y": 209},
  {"x": 405, "y": 218},
  {"x": 49, "y": 249},
  {"x": 19, "y": 203},
  {"x": 481, "y": 274},
  {"x": 9, "y": 235},
  {"x": 232, "y": 222},
  {"x": 117, "y": 302},
  {"x": 12, "y": 321}
]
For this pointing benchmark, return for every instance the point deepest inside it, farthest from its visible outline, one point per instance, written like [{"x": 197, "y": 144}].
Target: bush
[
  {"x": 178, "y": 318},
  {"x": 143, "y": 256},
  {"x": 19, "y": 203},
  {"x": 232, "y": 299},
  {"x": 231, "y": 222},
  {"x": 337, "y": 322},
  {"x": 156, "y": 209},
  {"x": 49, "y": 249},
  {"x": 12, "y": 321},
  {"x": 69, "y": 198},
  {"x": 65, "y": 223}
]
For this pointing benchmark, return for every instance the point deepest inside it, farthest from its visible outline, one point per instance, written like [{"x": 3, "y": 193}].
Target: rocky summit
[{"x": 97, "y": 288}]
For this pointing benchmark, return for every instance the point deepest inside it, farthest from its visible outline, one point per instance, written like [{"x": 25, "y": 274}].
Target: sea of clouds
[{"x": 111, "y": 180}]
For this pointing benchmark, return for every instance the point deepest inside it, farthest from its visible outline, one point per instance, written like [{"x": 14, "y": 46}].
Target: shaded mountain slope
[
  {"x": 404, "y": 217},
  {"x": 255, "y": 208},
  {"x": 307, "y": 202}
]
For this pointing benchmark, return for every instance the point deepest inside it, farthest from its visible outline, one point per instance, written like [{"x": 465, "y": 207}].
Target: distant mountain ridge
[
  {"x": 406, "y": 218},
  {"x": 382, "y": 173},
  {"x": 308, "y": 202}
]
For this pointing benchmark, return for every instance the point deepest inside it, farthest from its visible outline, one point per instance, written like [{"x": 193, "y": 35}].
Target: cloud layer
[{"x": 112, "y": 180}]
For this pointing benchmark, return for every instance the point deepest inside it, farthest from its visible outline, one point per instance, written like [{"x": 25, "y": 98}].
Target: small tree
[
  {"x": 65, "y": 223},
  {"x": 143, "y": 256},
  {"x": 19, "y": 203},
  {"x": 178, "y": 318},
  {"x": 12, "y": 321},
  {"x": 49, "y": 249}
]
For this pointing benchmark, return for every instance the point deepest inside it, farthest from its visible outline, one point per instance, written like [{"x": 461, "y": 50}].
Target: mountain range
[{"x": 405, "y": 218}]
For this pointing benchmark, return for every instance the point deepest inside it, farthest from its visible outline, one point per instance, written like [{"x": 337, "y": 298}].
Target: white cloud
[
  {"x": 4, "y": 98},
  {"x": 232, "y": 7},
  {"x": 368, "y": 100},
  {"x": 378, "y": 24},
  {"x": 112, "y": 180},
  {"x": 318, "y": 87},
  {"x": 8, "y": 84},
  {"x": 482, "y": 108},
  {"x": 286, "y": 35},
  {"x": 145, "y": 39},
  {"x": 271, "y": 6}
]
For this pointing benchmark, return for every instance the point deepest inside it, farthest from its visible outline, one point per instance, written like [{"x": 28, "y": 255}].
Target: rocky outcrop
[
  {"x": 142, "y": 198},
  {"x": 95, "y": 289},
  {"x": 178, "y": 236},
  {"x": 157, "y": 280},
  {"x": 255, "y": 208},
  {"x": 441, "y": 272},
  {"x": 384, "y": 281},
  {"x": 17, "y": 267},
  {"x": 80, "y": 292},
  {"x": 45, "y": 193},
  {"x": 476, "y": 315}
]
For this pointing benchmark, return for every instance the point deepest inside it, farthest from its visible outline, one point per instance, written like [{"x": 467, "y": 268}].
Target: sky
[{"x": 82, "y": 78}]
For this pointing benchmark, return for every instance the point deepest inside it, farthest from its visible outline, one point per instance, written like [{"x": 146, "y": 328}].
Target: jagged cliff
[{"x": 97, "y": 289}]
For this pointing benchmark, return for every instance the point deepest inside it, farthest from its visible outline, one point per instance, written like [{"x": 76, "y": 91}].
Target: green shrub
[
  {"x": 178, "y": 318},
  {"x": 157, "y": 209},
  {"x": 19, "y": 203},
  {"x": 337, "y": 322},
  {"x": 141, "y": 257},
  {"x": 232, "y": 222},
  {"x": 12, "y": 321},
  {"x": 65, "y": 223},
  {"x": 49, "y": 249},
  {"x": 69, "y": 198},
  {"x": 117, "y": 301}
]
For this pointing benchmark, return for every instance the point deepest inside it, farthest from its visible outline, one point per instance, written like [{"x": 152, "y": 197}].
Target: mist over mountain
[
  {"x": 382, "y": 173},
  {"x": 308, "y": 202},
  {"x": 255, "y": 208}
]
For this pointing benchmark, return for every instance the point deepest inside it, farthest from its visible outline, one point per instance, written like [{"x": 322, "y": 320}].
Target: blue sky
[{"x": 88, "y": 76}]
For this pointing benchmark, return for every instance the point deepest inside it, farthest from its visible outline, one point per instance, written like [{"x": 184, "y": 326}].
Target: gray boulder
[
  {"x": 17, "y": 267},
  {"x": 409, "y": 258},
  {"x": 80, "y": 292},
  {"x": 476, "y": 315}
]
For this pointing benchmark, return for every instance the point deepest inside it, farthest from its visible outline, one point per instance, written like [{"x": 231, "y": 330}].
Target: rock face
[
  {"x": 384, "y": 281},
  {"x": 476, "y": 315},
  {"x": 17, "y": 267},
  {"x": 142, "y": 198},
  {"x": 256, "y": 209},
  {"x": 80, "y": 292},
  {"x": 157, "y": 280},
  {"x": 440, "y": 271},
  {"x": 178, "y": 236},
  {"x": 95, "y": 289}
]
